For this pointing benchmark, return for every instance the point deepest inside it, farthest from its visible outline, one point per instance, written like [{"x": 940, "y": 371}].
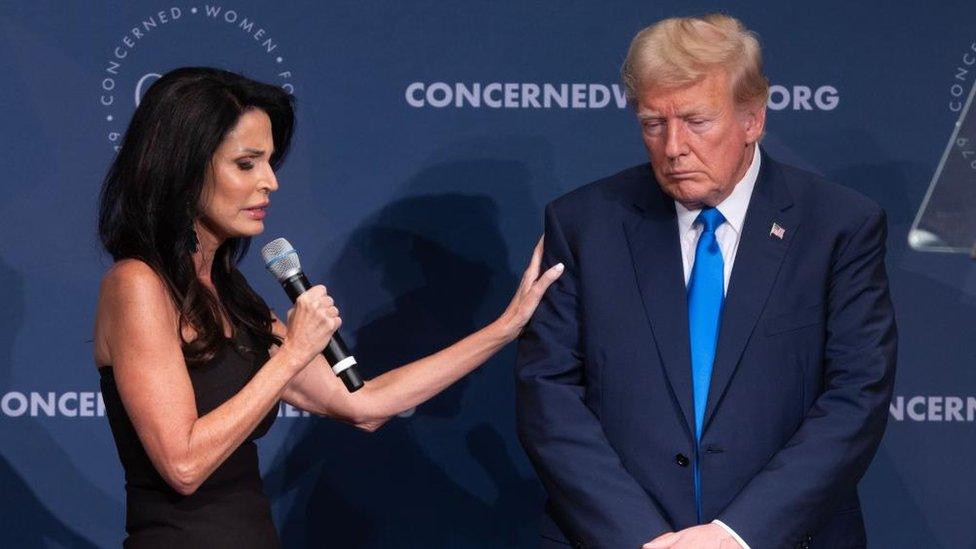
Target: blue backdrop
[{"x": 430, "y": 136}]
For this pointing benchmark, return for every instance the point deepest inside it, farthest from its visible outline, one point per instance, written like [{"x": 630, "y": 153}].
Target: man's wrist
[{"x": 732, "y": 533}]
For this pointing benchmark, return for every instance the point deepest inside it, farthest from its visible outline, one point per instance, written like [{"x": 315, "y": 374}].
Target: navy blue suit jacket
[{"x": 800, "y": 388}]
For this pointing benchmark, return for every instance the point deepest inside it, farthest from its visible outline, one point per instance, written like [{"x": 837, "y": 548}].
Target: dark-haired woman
[{"x": 193, "y": 363}]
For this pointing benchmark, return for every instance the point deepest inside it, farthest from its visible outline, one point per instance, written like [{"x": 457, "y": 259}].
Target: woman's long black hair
[{"x": 151, "y": 194}]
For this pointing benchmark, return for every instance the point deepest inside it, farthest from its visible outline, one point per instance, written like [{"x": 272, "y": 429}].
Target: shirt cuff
[{"x": 732, "y": 533}]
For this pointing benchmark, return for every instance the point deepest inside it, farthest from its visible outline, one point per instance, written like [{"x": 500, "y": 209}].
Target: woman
[{"x": 193, "y": 363}]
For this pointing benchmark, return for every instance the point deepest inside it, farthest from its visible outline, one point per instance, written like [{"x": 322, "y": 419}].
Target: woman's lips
[{"x": 256, "y": 213}]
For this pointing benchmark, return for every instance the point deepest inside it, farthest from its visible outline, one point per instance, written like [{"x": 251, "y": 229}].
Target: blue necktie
[{"x": 705, "y": 295}]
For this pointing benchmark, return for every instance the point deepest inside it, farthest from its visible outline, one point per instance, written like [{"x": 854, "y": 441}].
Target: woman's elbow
[
  {"x": 363, "y": 413},
  {"x": 183, "y": 477},
  {"x": 370, "y": 425},
  {"x": 184, "y": 489},
  {"x": 363, "y": 421}
]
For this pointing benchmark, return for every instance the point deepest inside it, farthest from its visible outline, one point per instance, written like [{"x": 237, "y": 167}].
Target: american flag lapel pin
[{"x": 777, "y": 231}]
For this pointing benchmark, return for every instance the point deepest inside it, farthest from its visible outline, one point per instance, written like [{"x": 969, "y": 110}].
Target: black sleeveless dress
[{"x": 230, "y": 508}]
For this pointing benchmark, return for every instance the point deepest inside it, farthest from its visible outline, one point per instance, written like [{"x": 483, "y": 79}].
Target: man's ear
[{"x": 754, "y": 120}]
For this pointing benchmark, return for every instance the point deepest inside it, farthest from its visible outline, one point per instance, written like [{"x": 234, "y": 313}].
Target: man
[{"x": 714, "y": 367}]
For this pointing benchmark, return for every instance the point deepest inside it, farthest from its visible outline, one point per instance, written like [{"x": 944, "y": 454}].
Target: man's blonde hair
[{"x": 682, "y": 50}]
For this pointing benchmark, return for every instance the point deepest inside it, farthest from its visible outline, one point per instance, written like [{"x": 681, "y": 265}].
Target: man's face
[{"x": 700, "y": 142}]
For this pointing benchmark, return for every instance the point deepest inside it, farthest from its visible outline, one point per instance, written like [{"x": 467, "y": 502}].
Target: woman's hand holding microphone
[{"x": 311, "y": 323}]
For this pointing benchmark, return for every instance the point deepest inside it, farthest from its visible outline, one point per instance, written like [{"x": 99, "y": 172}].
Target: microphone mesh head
[{"x": 281, "y": 259}]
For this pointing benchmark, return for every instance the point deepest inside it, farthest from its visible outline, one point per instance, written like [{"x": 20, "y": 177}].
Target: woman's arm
[
  {"x": 139, "y": 324},
  {"x": 317, "y": 390}
]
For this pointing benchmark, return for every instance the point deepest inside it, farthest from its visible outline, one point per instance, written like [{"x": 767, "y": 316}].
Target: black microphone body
[{"x": 342, "y": 362}]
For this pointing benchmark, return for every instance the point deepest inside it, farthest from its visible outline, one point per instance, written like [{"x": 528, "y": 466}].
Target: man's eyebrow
[{"x": 694, "y": 110}]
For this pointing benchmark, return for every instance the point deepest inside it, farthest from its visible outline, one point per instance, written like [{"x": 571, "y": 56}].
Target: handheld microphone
[{"x": 281, "y": 259}]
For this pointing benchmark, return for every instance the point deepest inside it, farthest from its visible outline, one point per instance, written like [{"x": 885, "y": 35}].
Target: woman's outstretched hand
[{"x": 530, "y": 292}]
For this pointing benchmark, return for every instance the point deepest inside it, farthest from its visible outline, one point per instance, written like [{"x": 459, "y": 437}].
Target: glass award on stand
[{"x": 946, "y": 222}]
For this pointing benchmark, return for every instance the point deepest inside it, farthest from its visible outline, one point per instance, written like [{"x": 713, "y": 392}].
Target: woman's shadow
[{"x": 431, "y": 268}]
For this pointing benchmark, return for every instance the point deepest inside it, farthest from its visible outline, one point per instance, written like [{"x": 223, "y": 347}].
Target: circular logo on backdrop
[
  {"x": 963, "y": 79},
  {"x": 184, "y": 35}
]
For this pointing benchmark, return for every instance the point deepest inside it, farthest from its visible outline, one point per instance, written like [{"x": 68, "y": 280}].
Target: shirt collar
[{"x": 734, "y": 207}]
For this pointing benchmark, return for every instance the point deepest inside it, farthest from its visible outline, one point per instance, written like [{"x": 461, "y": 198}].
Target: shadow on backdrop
[
  {"x": 440, "y": 257},
  {"x": 899, "y": 507},
  {"x": 929, "y": 294},
  {"x": 27, "y": 521}
]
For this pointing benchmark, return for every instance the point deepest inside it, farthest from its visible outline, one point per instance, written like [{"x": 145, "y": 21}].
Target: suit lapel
[
  {"x": 652, "y": 233},
  {"x": 757, "y": 262}
]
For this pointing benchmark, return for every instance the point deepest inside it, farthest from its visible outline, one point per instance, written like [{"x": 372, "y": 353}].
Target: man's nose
[{"x": 675, "y": 144}]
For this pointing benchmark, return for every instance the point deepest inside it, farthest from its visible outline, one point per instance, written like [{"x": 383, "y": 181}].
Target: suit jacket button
[{"x": 682, "y": 460}]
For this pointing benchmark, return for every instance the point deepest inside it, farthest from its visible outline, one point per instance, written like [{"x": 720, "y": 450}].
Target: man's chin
[{"x": 689, "y": 194}]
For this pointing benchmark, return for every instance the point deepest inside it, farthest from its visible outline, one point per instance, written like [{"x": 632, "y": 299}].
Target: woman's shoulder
[
  {"x": 128, "y": 275},
  {"x": 132, "y": 295},
  {"x": 132, "y": 282}
]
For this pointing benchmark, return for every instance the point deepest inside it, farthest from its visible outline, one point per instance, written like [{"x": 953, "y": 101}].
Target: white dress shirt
[{"x": 733, "y": 208}]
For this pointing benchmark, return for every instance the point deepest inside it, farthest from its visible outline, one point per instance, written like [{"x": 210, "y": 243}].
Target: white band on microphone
[{"x": 344, "y": 365}]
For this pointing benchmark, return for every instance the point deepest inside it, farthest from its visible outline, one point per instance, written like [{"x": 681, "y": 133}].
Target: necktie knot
[{"x": 710, "y": 218}]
